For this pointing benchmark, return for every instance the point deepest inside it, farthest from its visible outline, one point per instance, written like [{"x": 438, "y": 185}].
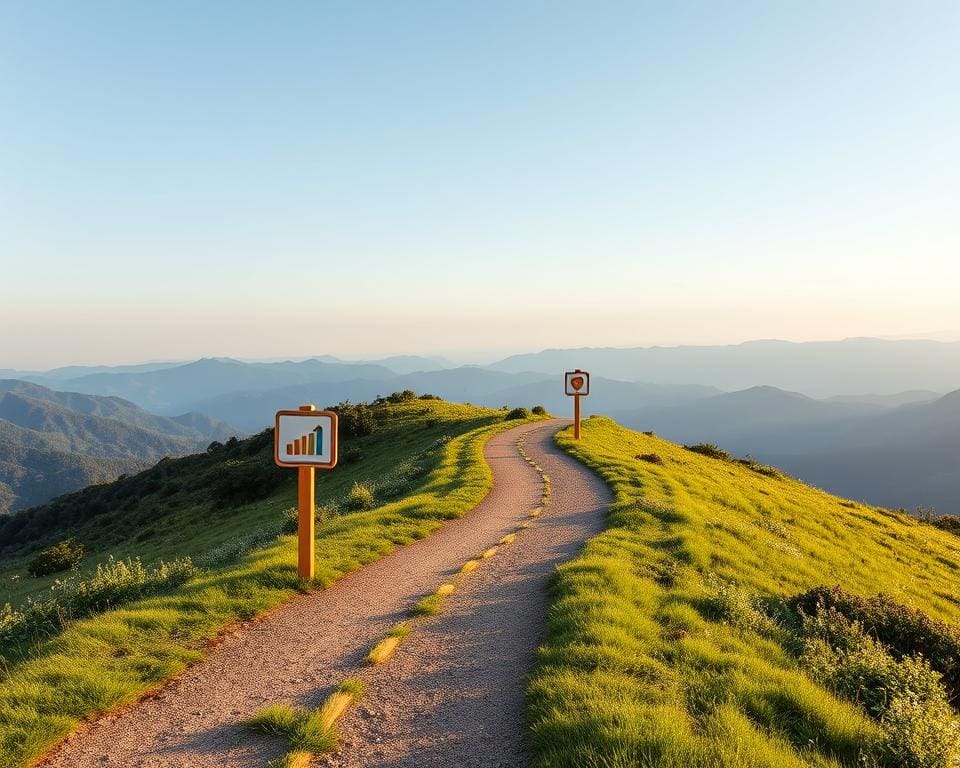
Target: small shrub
[
  {"x": 761, "y": 469},
  {"x": 402, "y": 397},
  {"x": 539, "y": 410},
  {"x": 354, "y": 420},
  {"x": 855, "y": 666},
  {"x": 517, "y": 413},
  {"x": 905, "y": 695},
  {"x": 650, "y": 458},
  {"x": 352, "y": 455},
  {"x": 360, "y": 497},
  {"x": 737, "y": 607},
  {"x": 921, "y": 734},
  {"x": 289, "y": 520},
  {"x": 949, "y": 523},
  {"x": 430, "y": 397},
  {"x": 62, "y": 556},
  {"x": 904, "y": 630},
  {"x": 242, "y": 481},
  {"x": 709, "y": 449}
]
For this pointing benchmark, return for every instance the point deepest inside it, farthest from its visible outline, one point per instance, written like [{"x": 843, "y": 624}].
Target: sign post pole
[
  {"x": 306, "y": 501},
  {"x": 576, "y": 417},
  {"x": 576, "y": 384},
  {"x": 305, "y": 439}
]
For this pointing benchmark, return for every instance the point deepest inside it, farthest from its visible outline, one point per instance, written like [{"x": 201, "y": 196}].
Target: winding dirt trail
[{"x": 453, "y": 695}]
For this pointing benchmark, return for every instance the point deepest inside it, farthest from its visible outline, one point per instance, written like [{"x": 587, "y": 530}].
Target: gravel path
[{"x": 453, "y": 693}]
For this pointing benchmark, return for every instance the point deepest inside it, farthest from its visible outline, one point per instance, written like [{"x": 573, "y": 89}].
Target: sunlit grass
[
  {"x": 307, "y": 732},
  {"x": 383, "y": 650},
  {"x": 109, "y": 660},
  {"x": 638, "y": 670}
]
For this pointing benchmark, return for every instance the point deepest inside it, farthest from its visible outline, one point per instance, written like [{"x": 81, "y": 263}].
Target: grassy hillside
[
  {"x": 422, "y": 464},
  {"x": 676, "y": 638}
]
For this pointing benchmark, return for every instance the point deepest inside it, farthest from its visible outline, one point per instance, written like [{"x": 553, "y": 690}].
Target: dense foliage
[
  {"x": 905, "y": 631},
  {"x": 62, "y": 556}
]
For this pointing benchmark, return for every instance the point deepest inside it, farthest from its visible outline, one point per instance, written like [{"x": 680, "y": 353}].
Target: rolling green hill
[
  {"x": 693, "y": 632},
  {"x": 55, "y": 442},
  {"x": 131, "y": 624}
]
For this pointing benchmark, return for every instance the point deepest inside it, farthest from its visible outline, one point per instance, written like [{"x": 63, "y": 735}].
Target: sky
[{"x": 185, "y": 179}]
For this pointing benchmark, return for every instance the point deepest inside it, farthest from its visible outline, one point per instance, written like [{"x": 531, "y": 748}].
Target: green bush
[
  {"x": 904, "y": 630},
  {"x": 242, "y": 481},
  {"x": 402, "y": 397},
  {"x": 517, "y": 413},
  {"x": 761, "y": 469},
  {"x": 906, "y": 696},
  {"x": 921, "y": 734},
  {"x": 352, "y": 455},
  {"x": 430, "y": 397},
  {"x": 62, "y": 556},
  {"x": 650, "y": 458},
  {"x": 949, "y": 523},
  {"x": 360, "y": 497},
  {"x": 858, "y": 668},
  {"x": 539, "y": 410},
  {"x": 354, "y": 420},
  {"x": 709, "y": 449}
]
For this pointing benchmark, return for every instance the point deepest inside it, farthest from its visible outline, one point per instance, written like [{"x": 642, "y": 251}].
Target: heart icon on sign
[{"x": 576, "y": 382}]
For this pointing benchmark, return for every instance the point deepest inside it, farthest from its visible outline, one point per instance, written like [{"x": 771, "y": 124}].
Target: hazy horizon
[{"x": 446, "y": 355}]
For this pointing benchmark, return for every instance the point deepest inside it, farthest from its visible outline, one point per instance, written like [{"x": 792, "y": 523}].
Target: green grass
[
  {"x": 641, "y": 669},
  {"x": 428, "y": 606},
  {"x": 307, "y": 731},
  {"x": 102, "y": 662}
]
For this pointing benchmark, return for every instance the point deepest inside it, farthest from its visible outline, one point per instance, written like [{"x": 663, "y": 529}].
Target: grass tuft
[
  {"x": 383, "y": 650},
  {"x": 429, "y": 606},
  {"x": 469, "y": 566},
  {"x": 292, "y": 760},
  {"x": 275, "y": 719}
]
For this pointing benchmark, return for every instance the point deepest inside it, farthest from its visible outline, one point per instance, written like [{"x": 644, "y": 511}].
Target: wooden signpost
[
  {"x": 576, "y": 385},
  {"x": 305, "y": 439}
]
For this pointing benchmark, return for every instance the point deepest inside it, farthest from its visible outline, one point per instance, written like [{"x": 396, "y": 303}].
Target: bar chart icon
[
  {"x": 310, "y": 444},
  {"x": 306, "y": 439}
]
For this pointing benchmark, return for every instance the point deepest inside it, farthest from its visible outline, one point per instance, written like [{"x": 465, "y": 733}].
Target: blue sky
[{"x": 259, "y": 179}]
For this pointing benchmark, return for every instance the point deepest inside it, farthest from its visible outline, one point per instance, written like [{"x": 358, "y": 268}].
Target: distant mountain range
[
  {"x": 898, "y": 451},
  {"x": 833, "y": 435},
  {"x": 54, "y": 442},
  {"x": 819, "y": 369}
]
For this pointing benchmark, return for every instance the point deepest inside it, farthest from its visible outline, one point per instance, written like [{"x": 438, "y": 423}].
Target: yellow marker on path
[{"x": 305, "y": 439}]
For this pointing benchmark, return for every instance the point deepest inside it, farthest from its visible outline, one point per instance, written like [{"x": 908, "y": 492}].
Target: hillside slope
[
  {"x": 906, "y": 455},
  {"x": 55, "y": 442},
  {"x": 422, "y": 463},
  {"x": 672, "y": 640}
]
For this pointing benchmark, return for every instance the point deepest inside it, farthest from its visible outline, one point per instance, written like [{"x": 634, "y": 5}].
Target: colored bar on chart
[
  {"x": 312, "y": 444},
  {"x": 303, "y": 445},
  {"x": 289, "y": 449}
]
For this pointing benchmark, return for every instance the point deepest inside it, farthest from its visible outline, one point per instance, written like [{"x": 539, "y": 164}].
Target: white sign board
[
  {"x": 577, "y": 383},
  {"x": 305, "y": 439}
]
